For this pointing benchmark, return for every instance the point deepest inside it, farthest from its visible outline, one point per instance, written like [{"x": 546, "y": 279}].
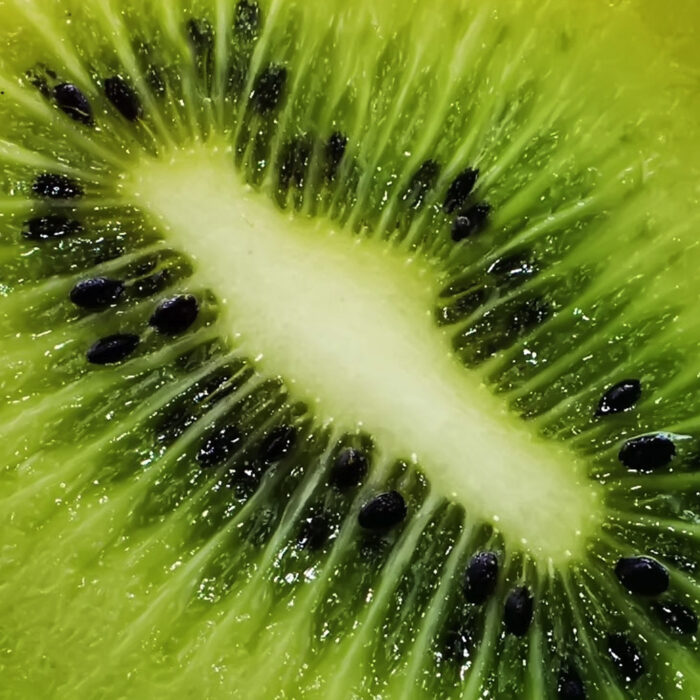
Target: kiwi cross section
[{"x": 349, "y": 351}]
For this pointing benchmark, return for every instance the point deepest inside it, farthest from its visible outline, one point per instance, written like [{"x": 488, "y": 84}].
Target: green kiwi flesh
[{"x": 349, "y": 350}]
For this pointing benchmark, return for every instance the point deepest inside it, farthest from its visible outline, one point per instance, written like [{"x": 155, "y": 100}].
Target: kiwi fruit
[{"x": 349, "y": 349}]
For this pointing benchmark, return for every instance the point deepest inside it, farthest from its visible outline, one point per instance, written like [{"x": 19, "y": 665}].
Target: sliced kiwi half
[{"x": 349, "y": 349}]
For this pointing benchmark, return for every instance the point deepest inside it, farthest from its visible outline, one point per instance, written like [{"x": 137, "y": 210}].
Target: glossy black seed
[
  {"x": 219, "y": 446},
  {"x": 349, "y": 468},
  {"x": 268, "y": 88},
  {"x": 335, "y": 150},
  {"x": 201, "y": 35},
  {"x": 384, "y": 511},
  {"x": 175, "y": 315},
  {"x": 112, "y": 348},
  {"x": 626, "y": 657},
  {"x": 481, "y": 576},
  {"x": 647, "y": 453},
  {"x": 278, "y": 443},
  {"x": 55, "y": 186},
  {"x": 422, "y": 182},
  {"x": 246, "y": 20},
  {"x": 148, "y": 286},
  {"x": 96, "y": 293},
  {"x": 315, "y": 531},
  {"x": 44, "y": 228},
  {"x": 678, "y": 618},
  {"x": 123, "y": 97},
  {"x": 620, "y": 397},
  {"x": 518, "y": 611},
  {"x": 470, "y": 222},
  {"x": 73, "y": 102},
  {"x": 460, "y": 189},
  {"x": 642, "y": 575},
  {"x": 570, "y": 686}
]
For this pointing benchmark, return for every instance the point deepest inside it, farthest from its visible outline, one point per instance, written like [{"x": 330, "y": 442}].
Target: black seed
[
  {"x": 219, "y": 446},
  {"x": 626, "y": 657},
  {"x": 96, "y": 293},
  {"x": 315, "y": 531},
  {"x": 175, "y": 315},
  {"x": 112, "y": 348},
  {"x": 268, "y": 88},
  {"x": 647, "y": 453},
  {"x": 678, "y": 618},
  {"x": 383, "y": 512},
  {"x": 54, "y": 186},
  {"x": 278, "y": 443},
  {"x": 481, "y": 576},
  {"x": 44, "y": 228},
  {"x": 349, "y": 468},
  {"x": 246, "y": 21},
  {"x": 422, "y": 182},
  {"x": 570, "y": 686},
  {"x": 294, "y": 162},
  {"x": 335, "y": 150},
  {"x": 201, "y": 35},
  {"x": 620, "y": 397},
  {"x": 123, "y": 97},
  {"x": 148, "y": 286},
  {"x": 460, "y": 189},
  {"x": 642, "y": 575},
  {"x": 73, "y": 102},
  {"x": 518, "y": 611},
  {"x": 469, "y": 222}
]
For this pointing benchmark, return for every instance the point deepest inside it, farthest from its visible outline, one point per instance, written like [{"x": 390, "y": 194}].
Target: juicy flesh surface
[{"x": 130, "y": 571}]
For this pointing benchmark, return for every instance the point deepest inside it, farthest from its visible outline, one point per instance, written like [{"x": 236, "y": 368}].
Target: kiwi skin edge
[{"x": 349, "y": 351}]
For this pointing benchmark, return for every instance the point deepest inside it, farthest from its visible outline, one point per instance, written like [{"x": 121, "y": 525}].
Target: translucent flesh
[{"x": 128, "y": 571}]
